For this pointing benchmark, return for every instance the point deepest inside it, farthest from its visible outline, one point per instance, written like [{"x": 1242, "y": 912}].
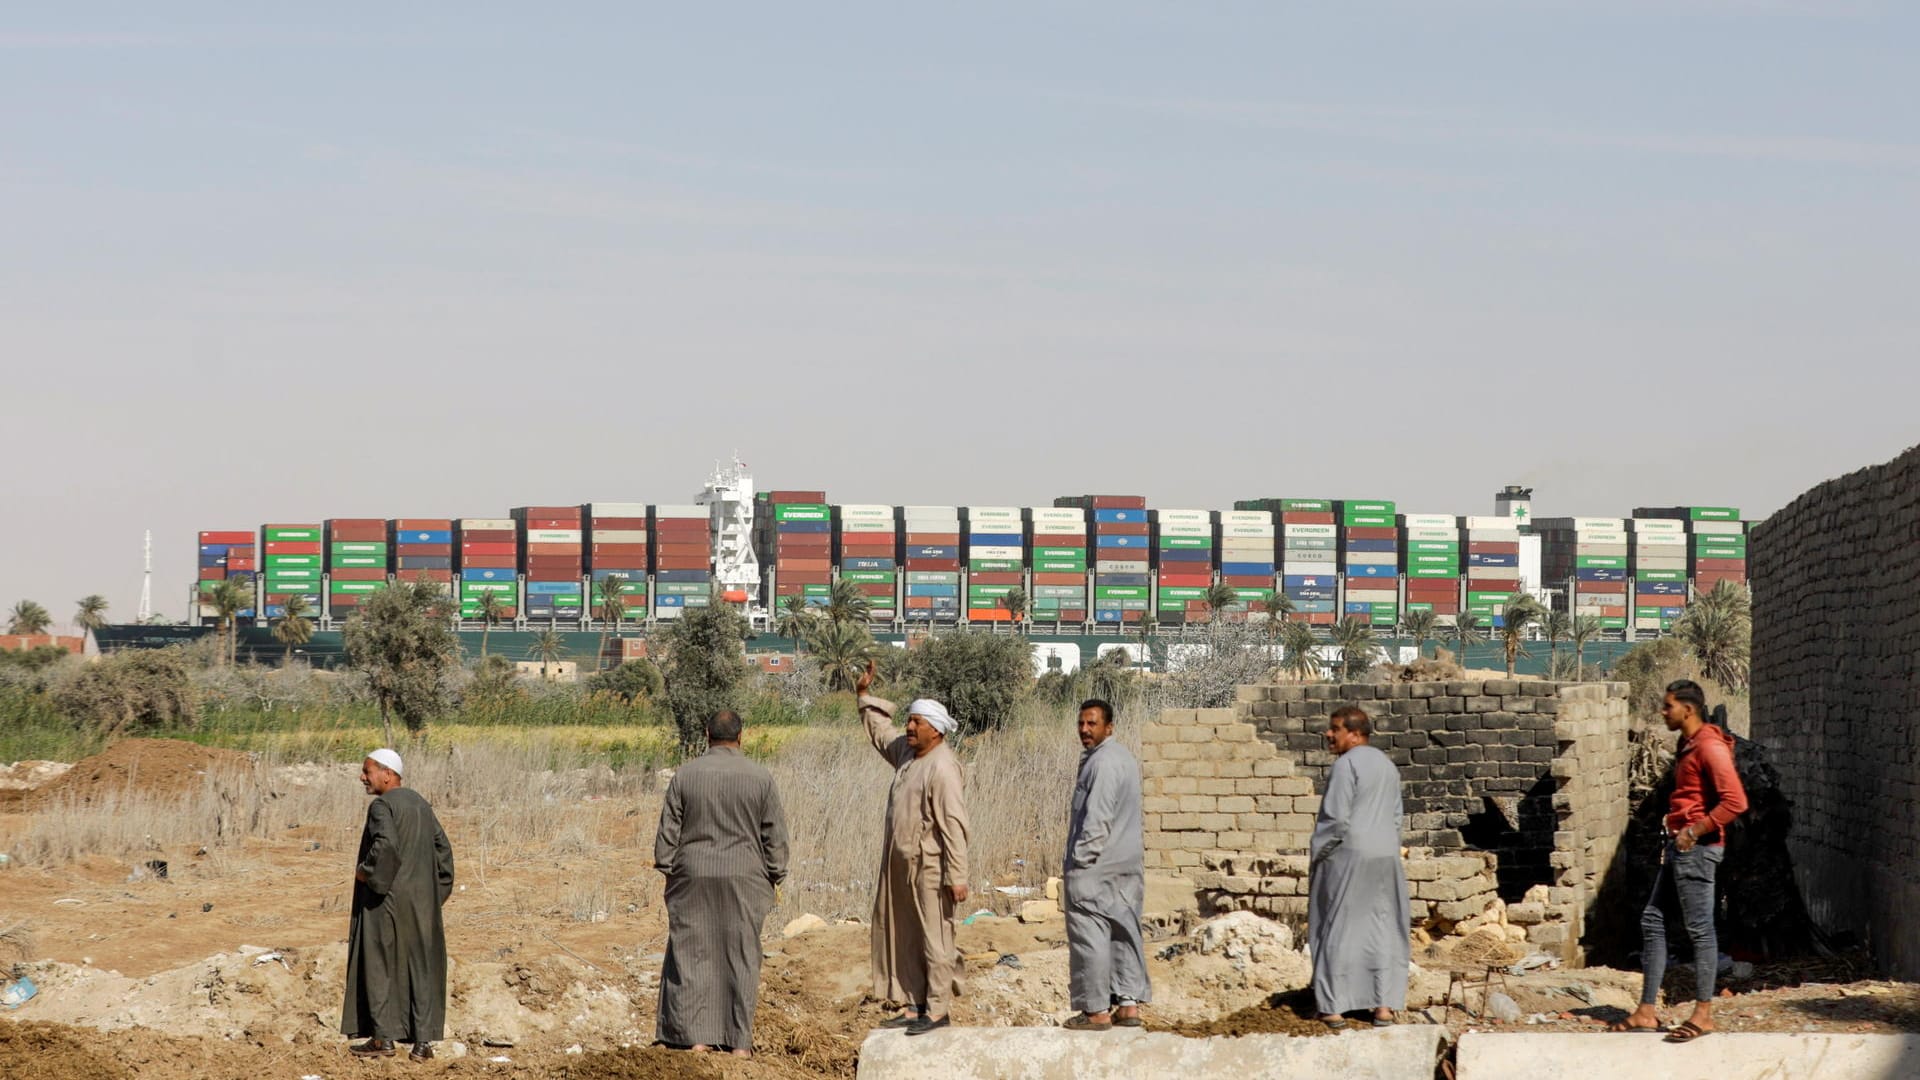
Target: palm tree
[
  {"x": 1720, "y": 637},
  {"x": 92, "y": 613},
  {"x": 228, "y": 599},
  {"x": 1015, "y": 604},
  {"x": 1467, "y": 632},
  {"x": 28, "y": 618},
  {"x": 293, "y": 627},
  {"x": 843, "y": 650},
  {"x": 492, "y": 610},
  {"x": 797, "y": 621},
  {"x": 1277, "y": 607},
  {"x": 613, "y": 611},
  {"x": 1557, "y": 626},
  {"x": 1585, "y": 629},
  {"x": 1420, "y": 624},
  {"x": 846, "y": 604},
  {"x": 1522, "y": 612},
  {"x": 1303, "y": 651},
  {"x": 1219, "y": 597},
  {"x": 1354, "y": 636},
  {"x": 548, "y": 646}
]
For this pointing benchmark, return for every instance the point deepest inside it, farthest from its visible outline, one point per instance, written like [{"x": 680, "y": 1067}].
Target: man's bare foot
[
  {"x": 1702, "y": 1017},
  {"x": 1125, "y": 1013},
  {"x": 699, "y": 1048},
  {"x": 1643, "y": 1018},
  {"x": 737, "y": 1052}
]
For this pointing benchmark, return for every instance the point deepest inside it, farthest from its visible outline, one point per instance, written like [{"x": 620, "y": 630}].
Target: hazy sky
[{"x": 386, "y": 261}]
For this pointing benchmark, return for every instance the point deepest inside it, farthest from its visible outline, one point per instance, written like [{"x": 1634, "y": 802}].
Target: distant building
[{"x": 23, "y": 642}]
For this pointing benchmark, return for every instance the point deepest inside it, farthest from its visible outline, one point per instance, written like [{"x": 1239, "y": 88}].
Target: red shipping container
[
  {"x": 1719, "y": 566},
  {"x": 933, "y": 539},
  {"x": 815, "y": 542},
  {"x": 1247, "y": 581},
  {"x": 1061, "y": 540},
  {"x": 885, "y": 538},
  {"x": 423, "y": 524},
  {"x": 351, "y": 573},
  {"x": 489, "y": 562},
  {"x": 809, "y": 565},
  {"x": 807, "y": 577},
  {"x": 1054, "y": 578},
  {"x": 683, "y": 551},
  {"x": 1589, "y": 588},
  {"x": 440, "y": 577},
  {"x": 1120, "y": 528},
  {"x": 212, "y": 573},
  {"x": 1307, "y": 517},
  {"x": 554, "y": 562},
  {"x": 934, "y": 565},
  {"x": 989, "y": 615},
  {"x": 667, "y": 563},
  {"x": 293, "y": 547},
  {"x": 700, "y": 535},
  {"x": 489, "y": 536},
  {"x": 875, "y": 588},
  {"x": 1191, "y": 581},
  {"x": 994, "y": 578},
  {"x": 227, "y": 536},
  {"x": 356, "y": 531},
  {"x": 919, "y": 601},
  {"x": 620, "y": 524},
  {"x": 235, "y": 562},
  {"x": 1493, "y": 547},
  {"x": 424, "y": 551},
  {"x": 1372, "y": 532},
  {"x": 1119, "y": 502},
  {"x": 1493, "y": 585},
  {"x": 489, "y": 548},
  {"x": 603, "y": 552},
  {"x": 573, "y": 550},
  {"x": 867, "y": 551},
  {"x": 783, "y": 497}
]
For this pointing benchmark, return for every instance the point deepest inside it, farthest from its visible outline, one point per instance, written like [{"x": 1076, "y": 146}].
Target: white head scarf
[
  {"x": 388, "y": 758},
  {"x": 933, "y": 713}
]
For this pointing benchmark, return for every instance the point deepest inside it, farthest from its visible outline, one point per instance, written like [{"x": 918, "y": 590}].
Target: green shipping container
[
  {"x": 1182, "y": 593},
  {"x": 1368, "y": 521},
  {"x": 290, "y": 561},
  {"x": 691, "y": 588},
  {"x": 1714, "y": 513},
  {"x": 1386, "y": 618},
  {"x": 987, "y": 592},
  {"x": 481, "y": 588},
  {"x": 1439, "y": 547},
  {"x": 1419, "y": 607},
  {"x": 994, "y": 566},
  {"x": 1060, "y": 566},
  {"x": 1060, "y": 592},
  {"x": 1188, "y": 543},
  {"x": 1433, "y": 571},
  {"x": 360, "y": 562},
  {"x": 293, "y": 575},
  {"x": 801, "y": 512},
  {"x": 293, "y": 536},
  {"x": 868, "y": 577},
  {"x": 932, "y": 577},
  {"x": 1660, "y": 575},
  {"x": 1600, "y": 562},
  {"x": 1119, "y": 592},
  {"x": 1060, "y": 553},
  {"x": 357, "y": 548},
  {"x": 1313, "y": 506},
  {"x": 356, "y": 587},
  {"x": 1351, "y": 507},
  {"x": 1488, "y": 597},
  {"x": 1249, "y": 594},
  {"x": 1613, "y": 622},
  {"x": 1424, "y": 559}
]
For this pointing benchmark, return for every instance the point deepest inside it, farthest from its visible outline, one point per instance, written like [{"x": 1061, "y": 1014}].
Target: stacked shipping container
[
  {"x": 292, "y": 563},
  {"x": 1122, "y": 579},
  {"x": 357, "y": 559},
  {"x": 932, "y": 548},
  {"x": 1370, "y": 559},
  {"x": 619, "y": 550},
  {"x": 682, "y": 559},
  {"x": 1493, "y": 566},
  {"x": 1716, "y": 542},
  {"x": 489, "y": 562},
  {"x": 1059, "y": 561},
  {"x": 1247, "y": 549},
  {"x": 1430, "y": 551},
  {"x": 796, "y": 539},
  {"x": 1310, "y": 558},
  {"x": 869, "y": 537},
  {"x": 1183, "y": 545},
  {"x": 996, "y": 544},
  {"x": 553, "y": 546},
  {"x": 1658, "y": 558},
  {"x": 227, "y": 555},
  {"x": 1588, "y": 558}
]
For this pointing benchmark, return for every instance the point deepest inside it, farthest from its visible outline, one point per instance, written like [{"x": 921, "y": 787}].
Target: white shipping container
[
  {"x": 1065, "y": 515},
  {"x": 997, "y": 512},
  {"x": 1246, "y": 517},
  {"x": 1491, "y": 523},
  {"x": 1235, "y": 546},
  {"x": 1656, "y": 525},
  {"x": 1493, "y": 536},
  {"x": 1429, "y": 521},
  {"x": 1600, "y": 550},
  {"x": 1445, "y": 536},
  {"x": 866, "y": 510},
  {"x": 1652, "y": 562},
  {"x": 1118, "y": 566},
  {"x": 1185, "y": 529},
  {"x": 1308, "y": 565},
  {"x": 682, "y": 510},
  {"x": 625, "y": 510},
  {"x": 1373, "y": 558},
  {"x": 1264, "y": 532},
  {"x": 932, "y": 511},
  {"x": 619, "y": 536},
  {"x": 553, "y": 536},
  {"x": 995, "y": 552},
  {"x": 1185, "y": 517},
  {"x": 477, "y": 524},
  {"x": 1323, "y": 531},
  {"x": 1360, "y": 593},
  {"x": 1719, "y": 528}
]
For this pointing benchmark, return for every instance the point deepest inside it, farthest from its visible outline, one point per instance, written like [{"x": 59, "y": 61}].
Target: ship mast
[{"x": 146, "y": 585}]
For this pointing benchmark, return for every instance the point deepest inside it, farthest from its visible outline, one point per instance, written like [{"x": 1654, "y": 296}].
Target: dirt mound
[
  {"x": 148, "y": 766},
  {"x": 51, "y": 1050},
  {"x": 1282, "y": 1014},
  {"x": 658, "y": 1063}
]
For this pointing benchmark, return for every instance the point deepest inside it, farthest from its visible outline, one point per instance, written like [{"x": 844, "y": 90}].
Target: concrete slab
[
  {"x": 1400, "y": 1053},
  {"x": 1720, "y": 1056}
]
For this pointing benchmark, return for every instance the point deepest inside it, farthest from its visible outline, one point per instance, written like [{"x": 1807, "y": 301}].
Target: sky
[{"x": 441, "y": 260}]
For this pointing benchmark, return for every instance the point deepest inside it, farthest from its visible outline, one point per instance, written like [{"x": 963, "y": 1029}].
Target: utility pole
[{"x": 146, "y": 584}]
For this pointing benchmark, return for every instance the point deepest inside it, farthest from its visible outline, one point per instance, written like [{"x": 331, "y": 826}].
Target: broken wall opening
[{"x": 1515, "y": 794}]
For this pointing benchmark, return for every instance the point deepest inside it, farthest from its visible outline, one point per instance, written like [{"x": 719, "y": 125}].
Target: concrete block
[
  {"x": 1253, "y": 786},
  {"x": 1234, "y": 733},
  {"x": 1216, "y": 787},
  {"x": 1235, "y": 804},
  {"x": 1725, "y": 1056},
  {"x": 1274, "y": 768},
  {"x": 1198, "y": 804}
]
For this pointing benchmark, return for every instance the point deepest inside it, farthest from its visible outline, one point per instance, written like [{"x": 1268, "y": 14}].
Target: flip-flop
[
  {"x": 1687, "y": 1032},
  {"x": 1083, "y": 1022},
  {"x": 1334, "y": 1023},
  {"x": 1622, "y": 1027},
  {"x": 1382, "y": 1022},
  {"x": 1128, "y": 1021}
]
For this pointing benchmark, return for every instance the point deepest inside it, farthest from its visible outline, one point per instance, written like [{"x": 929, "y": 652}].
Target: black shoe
[
  {"x": 924, "y": 1025},
  {"x": 373, "y": 1048},
  {"x": 421, "y": 1052},
  {"x": 903, "y": 1020}
]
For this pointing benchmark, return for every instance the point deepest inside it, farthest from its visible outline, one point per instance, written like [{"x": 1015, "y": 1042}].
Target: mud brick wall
[
  {"x": 1836, "y": 696},
  {"x": 1511, "y": 788}
]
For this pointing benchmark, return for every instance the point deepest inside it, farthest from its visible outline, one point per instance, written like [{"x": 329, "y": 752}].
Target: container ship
[{"x": 1086, "y": 565}]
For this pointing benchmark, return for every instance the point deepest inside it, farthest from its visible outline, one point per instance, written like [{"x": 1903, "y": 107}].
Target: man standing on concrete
[
  {"x": 1105, "y": 880},
  {"x": 397, "y": 944},
  {"x": 722, "y": 842},
  {"x": 1358, "y": 915},
  {"x": 923, "y": 862},
  {"x": 1707, "y": 796}
]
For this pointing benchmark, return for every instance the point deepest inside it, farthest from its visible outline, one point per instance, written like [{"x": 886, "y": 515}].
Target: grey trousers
[
  {"x": 1684, "y": 886},
  {"x": 1106, "y": 955}
]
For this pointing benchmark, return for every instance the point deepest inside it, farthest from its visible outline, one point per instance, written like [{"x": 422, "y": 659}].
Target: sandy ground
[{"x": 232, "y": 966}]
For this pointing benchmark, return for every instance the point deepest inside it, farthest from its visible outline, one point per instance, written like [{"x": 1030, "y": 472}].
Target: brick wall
[
  {"x": 1514, "y": 790},
  {"x": 1836, "y": 643}
]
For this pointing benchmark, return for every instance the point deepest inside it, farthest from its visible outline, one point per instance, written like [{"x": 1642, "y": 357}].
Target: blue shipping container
[
  {"x": 1373, "y": 571},
  {"x": 213, "y": 560},
  {"x": 994, "y": 539},
  {"x": 1313, "y": 607},
  {"x": 866, "y": 564},
  {"x": 933, "y": 590},
  {"x": 669, "y": 600},
  {"x": 1359, "y": 609},
  {"x": 1247, "y": 569},
  {"x": 422, "y": 562},
  {"x": 1186, "y": 555},
  {"x": 1661, "y": 588},
  {"x": 1119, "y": 541},
  {"x": 1493, "y": 560},
  {"x": 1103, "y": 615},
  {"x": 934, "y": 551},
  {"x": 214, "y": 549},
  {"x": 803, "y": 526},
  {"x": 683, "y": 575},
  {"x": 1123, "y": 579},
  {"x": 1121, "y": 517},
  {"x": 1309, "y": 592},
  {"x": 631, "y": 573},
  {"x": 423, "y": 536},
  {"x": 486, "y": 574},
  {"x": 1373, "y": 545},
  {"x": 1600, "y": 573},
  {"x": 553, "y": 588}
]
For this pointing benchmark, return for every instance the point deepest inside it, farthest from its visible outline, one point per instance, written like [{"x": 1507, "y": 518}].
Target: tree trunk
[
  {"x": 386, "y": 722},
  {"x": 485, "y": 627}
]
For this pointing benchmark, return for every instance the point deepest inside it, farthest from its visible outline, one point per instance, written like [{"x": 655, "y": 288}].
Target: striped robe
[
  {"x": 924, "y": 851},
  {"x": 722, "y": 843}
]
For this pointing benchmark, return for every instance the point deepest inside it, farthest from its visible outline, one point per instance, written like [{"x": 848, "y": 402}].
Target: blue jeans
[{"x": 1685, "y": 881}]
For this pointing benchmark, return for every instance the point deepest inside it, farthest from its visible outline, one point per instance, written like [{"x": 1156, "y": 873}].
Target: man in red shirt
[{"x": 1707, "y": 796}]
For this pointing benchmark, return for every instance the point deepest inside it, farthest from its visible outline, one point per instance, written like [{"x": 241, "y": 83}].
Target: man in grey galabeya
[
  {"x": 1358, "y": 915},
  {"x": 1105, "y": 880},
  {"x": 397, "y": 943},
  {"x": 722, "y": 843}
]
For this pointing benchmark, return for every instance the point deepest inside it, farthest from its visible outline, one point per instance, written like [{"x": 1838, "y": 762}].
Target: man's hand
[
  {"x": 958, "y": 892},
  {"x": 865, "y": 681},
  {"x": 1684, "y": 839},
  {"x": 359, "y": 875}
]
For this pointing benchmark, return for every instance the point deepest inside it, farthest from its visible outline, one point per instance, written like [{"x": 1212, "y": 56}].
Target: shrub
[
  {"x": 978, "y": 677},
  {"x": 706, "y": 668},
  {"x": 135, "y": 690},
  {"x": 633, "y": 680}
]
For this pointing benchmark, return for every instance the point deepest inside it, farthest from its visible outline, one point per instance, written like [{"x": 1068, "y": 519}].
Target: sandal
[
  {"x": 1687, "y": 1032},
  {"x": 1083, "y": 1022},
  {"x": 1129, "y": 1021},
  {"x": 1621, "y": 1026},
  {"x": 1334, "y": 1021},
  {"x": 924, "y": 1025},
  {"x": 900, "y": 1021}
]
